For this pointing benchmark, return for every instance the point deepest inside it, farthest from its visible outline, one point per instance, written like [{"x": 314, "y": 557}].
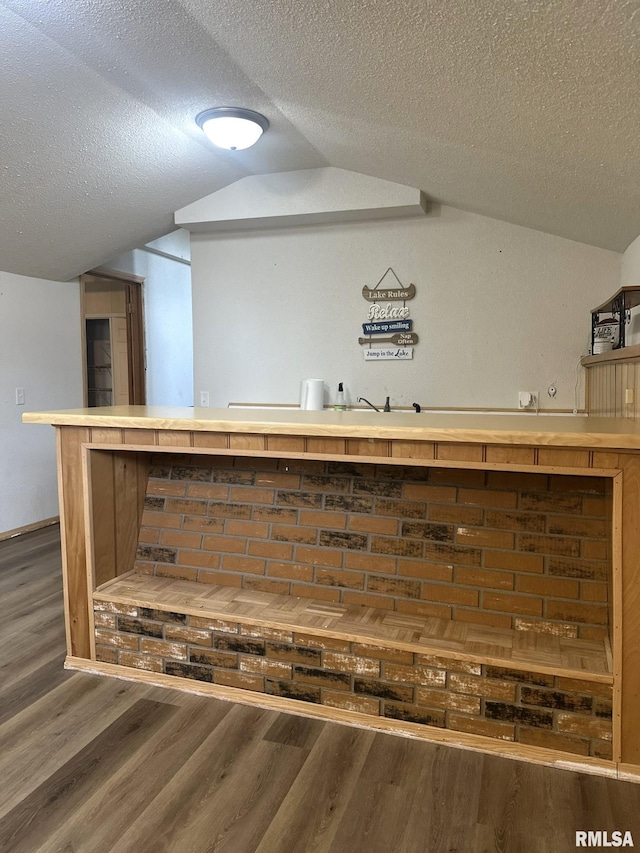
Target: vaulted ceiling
[{"x": 524, "y": 110}]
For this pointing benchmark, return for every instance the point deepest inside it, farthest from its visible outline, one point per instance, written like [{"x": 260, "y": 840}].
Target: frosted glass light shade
[{"x": 232, "y": 128}]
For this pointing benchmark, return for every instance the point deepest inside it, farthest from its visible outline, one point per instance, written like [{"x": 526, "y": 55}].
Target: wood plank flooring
[
  {"x": 499, "y": 646},
  {"x": 98, "y": 765}
]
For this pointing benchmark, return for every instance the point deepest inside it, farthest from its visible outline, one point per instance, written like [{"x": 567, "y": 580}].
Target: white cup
[{"x": 312, "y": 394}]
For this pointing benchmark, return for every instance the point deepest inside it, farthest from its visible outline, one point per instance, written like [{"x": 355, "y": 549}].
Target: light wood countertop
[{"x": 526, "y": 429}]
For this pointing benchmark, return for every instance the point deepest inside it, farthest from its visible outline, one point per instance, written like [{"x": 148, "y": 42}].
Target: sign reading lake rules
[{"x": 388, "y": 315}]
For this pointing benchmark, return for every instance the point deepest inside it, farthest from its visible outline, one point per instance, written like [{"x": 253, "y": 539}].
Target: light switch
[{"x": 19, "y": 396}]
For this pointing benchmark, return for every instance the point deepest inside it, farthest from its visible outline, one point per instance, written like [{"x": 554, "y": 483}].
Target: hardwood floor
[{"x": 93, "y": 765}]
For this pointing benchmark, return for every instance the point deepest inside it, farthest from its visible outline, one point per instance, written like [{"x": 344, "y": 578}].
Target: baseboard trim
[
  {"x": 460, "y": 740},
  {"x": 29, "y": 528}
]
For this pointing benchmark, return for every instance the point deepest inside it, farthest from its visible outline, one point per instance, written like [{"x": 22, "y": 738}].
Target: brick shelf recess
[{"x": 536, "y": 689}]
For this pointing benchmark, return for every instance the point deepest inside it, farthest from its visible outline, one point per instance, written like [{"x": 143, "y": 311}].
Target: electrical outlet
[
  {"x": 19, "y": 396},
  {"x": 204, "y": 398},
  {"x": 527, "y": 400}
]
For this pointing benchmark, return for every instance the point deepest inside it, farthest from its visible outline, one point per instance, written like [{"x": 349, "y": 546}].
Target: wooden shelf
[
  {"x": 522, "y": 650},
  {"x": 629, "y": 353}
]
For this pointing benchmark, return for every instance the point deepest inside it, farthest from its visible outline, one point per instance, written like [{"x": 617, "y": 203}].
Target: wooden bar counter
[{"x": 469, "y": 579}]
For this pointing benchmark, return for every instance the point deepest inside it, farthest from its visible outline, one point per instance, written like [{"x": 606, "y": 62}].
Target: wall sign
[
  {"x": 397, "y": 354},
  {"x": 385, "y": 328},
  {"x": 388, "y": 314}
]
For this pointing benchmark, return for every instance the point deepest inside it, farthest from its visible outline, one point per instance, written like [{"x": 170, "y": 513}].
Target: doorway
[{"x": 113, "y": 339}]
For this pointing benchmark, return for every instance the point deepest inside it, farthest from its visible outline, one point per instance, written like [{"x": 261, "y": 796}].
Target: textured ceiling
[{"x": 521, "y": 110}]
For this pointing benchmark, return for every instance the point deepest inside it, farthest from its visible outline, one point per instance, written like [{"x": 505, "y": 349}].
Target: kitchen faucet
[{"x": 386, "y": 408}]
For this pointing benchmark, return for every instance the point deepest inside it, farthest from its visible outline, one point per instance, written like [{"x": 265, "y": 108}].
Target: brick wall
[
  {"x": 548, "y": 711},
  {"x": 526, "y": 551}
]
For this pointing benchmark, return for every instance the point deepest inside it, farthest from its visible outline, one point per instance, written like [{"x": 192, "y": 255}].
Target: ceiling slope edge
[{"x": 306, "y": 197}]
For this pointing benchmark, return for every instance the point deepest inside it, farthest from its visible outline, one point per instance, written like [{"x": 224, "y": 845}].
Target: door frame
[{"x": 135, "y": 331}]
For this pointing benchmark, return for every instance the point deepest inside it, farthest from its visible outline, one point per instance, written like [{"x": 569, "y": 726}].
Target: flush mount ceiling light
[{"x": 233, "y": 128}]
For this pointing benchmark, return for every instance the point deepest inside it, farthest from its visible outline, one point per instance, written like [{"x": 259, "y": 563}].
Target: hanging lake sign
[
  {"x": 394, "y": 294},
  {"x": 402, "y": 339},
  {"x": 387, "y": 328},
  {"x": 388, "y": 319},
  {"x": 397, "y": 354}
]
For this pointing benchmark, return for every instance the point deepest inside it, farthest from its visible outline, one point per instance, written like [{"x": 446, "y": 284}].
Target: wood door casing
[{"x": 117, "y": 297}]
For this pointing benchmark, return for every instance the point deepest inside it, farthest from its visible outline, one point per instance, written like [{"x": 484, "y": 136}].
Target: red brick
[
  {"x": 179, "y": 539},
  {"x": 551, "y": 587},
  {"x": 450, "y": 594},
  {"x": 393, "y": 586},
  {"x": 277, "y": 587},
  {"x": 316, "y": 642},
  {"x": 578, "y": 724},
  {"x": 352, "y": 663},
  {"x": 457, "y": 476},
  {"x": 166, "y": 487},
  {"x": 446, "y": 663},
  {"x": 484, "y": 538},
  {"x": 271, "y": 550},
  {"x": 488, "y": 688},
  {"x": 553, "y": 740},
  {"x": 247, "y": 494},
  {"x": 451, "y": 701},
  {"x": 137, "y": 661},
  {"x": 426, "y": 676},
  {"x": 250, "y": 529},
  {"x": 425, "y": 570},
  {"x": 290, "y": 571},
  {"x": 426, "y": 492},
  {"x": 161, "y": 519},
  {"x": 178, "y": 572},
  {"x": 513, "y": 561},
  {"x": 520, "y": 604},
  {"x": 481, "y": 726},
  {"x": 399, "y": 656},
  {"x": 337, "y": 577},
  {"x": 248, "y": 565},
  {"x": 374, "y": 524},
  {"x": 241, "y": 680},
  {"x": 516, "y": 480},
  {"x": 203, "y": 525},
  {"x": 573, "y": 611},
  {"x": 456, "y": 514},
  {"x": 488, "y": 498},
  {"x": 484, "y": 577},
  {"x": 515, "y": 520},
  {"x": 479, "y": 617},
  {"x": 225, "y": 543},
  {"x": 208, "y": 491},
  {"x": 265, "y": 666},
  {"x": 318, "y": 518},
  {"x": 369, "y": 563},
  {"x": 184, "y": 506},
  {"x": 349, "y": 702},
  {"x": 593, "y": 549},
  {"x": 567, "y": 525},
  {"x": 594, "y": 591},
  {"x": 201, "y": 559}
]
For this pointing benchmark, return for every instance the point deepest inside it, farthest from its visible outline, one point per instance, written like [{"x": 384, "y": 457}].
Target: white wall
[
  {"x": 630, "y": 274},
  {"x": 164, "y": 265},
  {"x": 40, "y": 351},
  {"x": 499, "y": 308}
]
